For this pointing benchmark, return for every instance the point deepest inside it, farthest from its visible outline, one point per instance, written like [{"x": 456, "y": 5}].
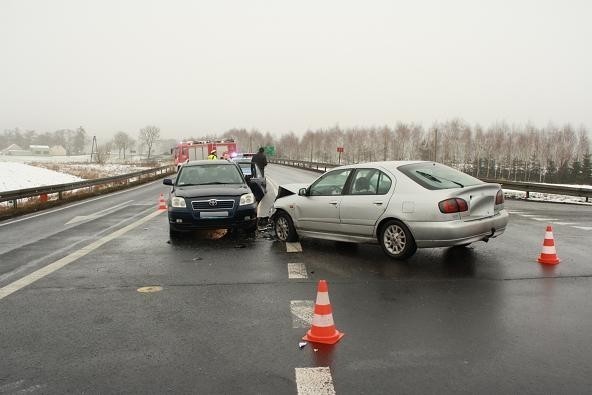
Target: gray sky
[{"x": 196, "y": 67}]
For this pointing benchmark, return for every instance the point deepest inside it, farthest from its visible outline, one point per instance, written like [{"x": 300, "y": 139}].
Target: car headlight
[
  {"x": 178, "y": 202},
  {"x": 247, "y": 198}
]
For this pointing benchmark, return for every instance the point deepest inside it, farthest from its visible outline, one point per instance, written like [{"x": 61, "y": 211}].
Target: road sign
[
  {"x": 339, "y": 149},
  {"x": 269, "y": 150}
]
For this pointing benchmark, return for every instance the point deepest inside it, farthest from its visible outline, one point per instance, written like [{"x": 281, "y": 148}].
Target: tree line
[
  {"x": 553, "y": 154},
  {"x": 77, "y": 142}
]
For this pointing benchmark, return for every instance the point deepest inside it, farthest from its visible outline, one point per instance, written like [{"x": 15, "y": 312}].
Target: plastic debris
[
  {"x": 316, "y": 349},
  {"x": 302, "y": 345}
]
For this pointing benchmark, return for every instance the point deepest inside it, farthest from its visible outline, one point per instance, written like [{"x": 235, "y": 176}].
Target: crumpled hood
[
  {"x": 211, "y": 190},
  {"x": 289, "y": 189}
]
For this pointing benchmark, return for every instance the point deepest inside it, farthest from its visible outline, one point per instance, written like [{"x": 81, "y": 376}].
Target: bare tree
[
  {"x": 148, "y": 136},
  {"x": 123, "y": 142}
]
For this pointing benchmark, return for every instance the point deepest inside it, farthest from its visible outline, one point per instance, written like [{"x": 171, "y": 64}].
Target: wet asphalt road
[{"x": 487, "y": 318}]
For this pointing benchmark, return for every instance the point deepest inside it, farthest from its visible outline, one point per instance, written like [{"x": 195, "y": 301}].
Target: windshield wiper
[{"x": 433, "y": 178}]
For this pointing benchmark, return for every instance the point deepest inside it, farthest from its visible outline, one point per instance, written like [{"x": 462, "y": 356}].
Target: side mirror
[
  {"x": 248, "y": 178},
  {"x": 302, "y": 192},
  {"x": 167, "y": 181}
]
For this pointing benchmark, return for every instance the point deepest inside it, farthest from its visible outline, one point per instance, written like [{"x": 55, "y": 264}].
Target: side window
[
  {"x": 365, "y": 182},
  {"x": 329, "y": 184},
  {"x": 384, "y": 184}
]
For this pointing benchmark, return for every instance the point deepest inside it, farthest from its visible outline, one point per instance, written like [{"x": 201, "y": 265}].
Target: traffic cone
[
  {"x": 323, "y": 329},
  {"x": 549, "y": 255},
  {"x": 161, "y": 203}
]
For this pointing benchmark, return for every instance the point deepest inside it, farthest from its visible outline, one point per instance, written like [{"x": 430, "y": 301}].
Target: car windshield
[
  {"x": 432, "y": 175},
  {"x": 209, "y": 175}
]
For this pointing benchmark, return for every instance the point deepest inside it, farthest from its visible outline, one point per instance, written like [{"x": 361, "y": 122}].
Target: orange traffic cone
[
  {"x": 161, "y": 203},
  {"x": 323, "y": 329},
  {"x": 549, "y": 255}
]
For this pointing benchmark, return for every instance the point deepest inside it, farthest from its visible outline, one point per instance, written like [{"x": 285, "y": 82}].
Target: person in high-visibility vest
[{"x": 213, "y": 155}]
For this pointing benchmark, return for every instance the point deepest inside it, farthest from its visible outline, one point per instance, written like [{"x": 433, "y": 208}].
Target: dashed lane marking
[
  {"x": 293, "y": 247},
  {"x": 583, "y": 227},
  {"x": 564, "y": 223},
  {"x": 297, "y": 270},
  {"x": 314, "y": 381},
  {"x": 544, "y": 219},
  {"x": 60, "y": 263},
  {"x": 302, "y": 313}
]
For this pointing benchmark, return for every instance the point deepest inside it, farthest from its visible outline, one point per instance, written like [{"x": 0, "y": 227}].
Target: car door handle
[
  {"x": 378, "y": 203},
  {"x": 334, "y": 203}
]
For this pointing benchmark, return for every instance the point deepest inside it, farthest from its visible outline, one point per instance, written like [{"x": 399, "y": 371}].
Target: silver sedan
[{"x": 402, "y": 205}]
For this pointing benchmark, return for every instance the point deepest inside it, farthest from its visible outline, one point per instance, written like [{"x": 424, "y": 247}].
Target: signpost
[{"x": 340, "y": 150}]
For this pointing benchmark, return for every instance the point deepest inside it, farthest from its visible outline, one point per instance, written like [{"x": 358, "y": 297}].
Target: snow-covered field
[{"x": 15, "y": 176}]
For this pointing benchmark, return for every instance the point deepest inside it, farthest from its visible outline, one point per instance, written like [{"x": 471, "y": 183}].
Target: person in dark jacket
[{"x": 260, "y": 160}]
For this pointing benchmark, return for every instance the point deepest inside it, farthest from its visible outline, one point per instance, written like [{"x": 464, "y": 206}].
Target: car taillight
[
  {"x": 454, "y": 205},
  {"x": 499, "y": 198}
]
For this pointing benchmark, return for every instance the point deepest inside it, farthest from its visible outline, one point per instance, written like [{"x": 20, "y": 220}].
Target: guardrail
[
  {"x": 314, "y": 166},
  {"x": 44, "y": 191},
  {"x": 527, "y": 187}
]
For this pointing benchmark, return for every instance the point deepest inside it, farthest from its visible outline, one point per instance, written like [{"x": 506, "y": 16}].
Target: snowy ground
[
  {"x": 15, "y": 175},
  {"x": 20, "y": 176}
]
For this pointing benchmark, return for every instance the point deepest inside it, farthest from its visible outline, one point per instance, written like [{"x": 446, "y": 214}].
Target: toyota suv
[{"x": 210, "y": 194}]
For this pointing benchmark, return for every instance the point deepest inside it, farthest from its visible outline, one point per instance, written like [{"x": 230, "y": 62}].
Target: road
[{"x": 229, "y": 313}]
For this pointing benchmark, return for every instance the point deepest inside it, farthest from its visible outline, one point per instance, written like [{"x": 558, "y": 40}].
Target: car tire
[
  {"x": 284, "y": 227},
  {"x": 396, "y": 240}
]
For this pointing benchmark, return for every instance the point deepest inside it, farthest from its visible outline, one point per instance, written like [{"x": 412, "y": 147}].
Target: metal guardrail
[
  {"x": 527, "y": 187},
  {"x": 314, "y": 166},
  {"x": 130, "y": 178}
]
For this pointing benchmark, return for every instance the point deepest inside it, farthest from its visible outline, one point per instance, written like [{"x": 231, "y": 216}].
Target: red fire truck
[{"x": 196, "y": 150}]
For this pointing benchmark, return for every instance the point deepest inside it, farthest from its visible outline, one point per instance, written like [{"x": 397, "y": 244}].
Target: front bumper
[
  {"x": 451, "y": 233},
  {"x": 186, "y": 219}
]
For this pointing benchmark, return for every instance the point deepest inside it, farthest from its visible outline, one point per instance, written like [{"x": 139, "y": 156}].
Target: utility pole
[
  {"x": 435, "y": 144},
  {"x": 94, "y": 148}
]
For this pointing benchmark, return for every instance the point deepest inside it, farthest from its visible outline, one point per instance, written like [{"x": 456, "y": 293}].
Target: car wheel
[
  {"x": 284, "y": 227},
  {"x": 396, "y": 240}
]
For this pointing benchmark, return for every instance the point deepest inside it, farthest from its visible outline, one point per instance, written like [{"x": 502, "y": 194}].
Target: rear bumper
[
  {"x": 451, "y": 233},
  {"x": 186, "y": 220}
]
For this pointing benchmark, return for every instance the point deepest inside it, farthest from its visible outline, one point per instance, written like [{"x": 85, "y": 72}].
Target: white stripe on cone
[
  {"x": 323, "y": 320},
  {"x": 323, "y": 298},
  {"x": 549, "y": 250}
]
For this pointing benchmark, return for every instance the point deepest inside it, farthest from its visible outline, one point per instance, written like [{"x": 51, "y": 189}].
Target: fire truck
[{"x": 196, "y": 150}]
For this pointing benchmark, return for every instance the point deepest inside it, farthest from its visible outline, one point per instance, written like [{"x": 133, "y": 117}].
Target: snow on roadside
[
  {"x": 15, "y": 176},
  {"x": 546, "y": 197},
  {"x": 93, "y": 170}
]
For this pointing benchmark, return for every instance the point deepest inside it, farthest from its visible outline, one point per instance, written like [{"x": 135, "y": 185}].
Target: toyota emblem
[{"x": 213, "y": 202}]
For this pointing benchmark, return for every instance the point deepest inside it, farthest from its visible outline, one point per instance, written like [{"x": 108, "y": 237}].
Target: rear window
[{"x": 432, "y": 175}]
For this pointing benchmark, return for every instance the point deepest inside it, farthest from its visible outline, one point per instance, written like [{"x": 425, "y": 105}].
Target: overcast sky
[{"x": 197, "y": 67}]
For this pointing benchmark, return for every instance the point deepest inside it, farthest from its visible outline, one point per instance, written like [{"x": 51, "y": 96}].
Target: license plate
[{"x": 213, "y": 214}]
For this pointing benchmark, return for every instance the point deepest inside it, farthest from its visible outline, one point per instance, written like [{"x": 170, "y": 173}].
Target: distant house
[
  {"x": 14, "y": 150},
  {"x": 39, "y": 149},
  {"x": 57, "y": 150}
]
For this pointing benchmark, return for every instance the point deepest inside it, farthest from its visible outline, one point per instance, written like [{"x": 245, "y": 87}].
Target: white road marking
[
  {"x": 544, "y": 219},
  {"x": 78, "y": 204},
  {"x": 527, "y": 215},
  {"x": 314, "y": 381},
  {"x": 97, "y": 214},
  {"x": 60, "y": 263},
  {"x": 293, "y": 247},
  {"x": 584, "y": 227},
  {"x": 302, "y": 313},
  {"x": 564, "y": 223},
  {"x": 297, "y": 270}
]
